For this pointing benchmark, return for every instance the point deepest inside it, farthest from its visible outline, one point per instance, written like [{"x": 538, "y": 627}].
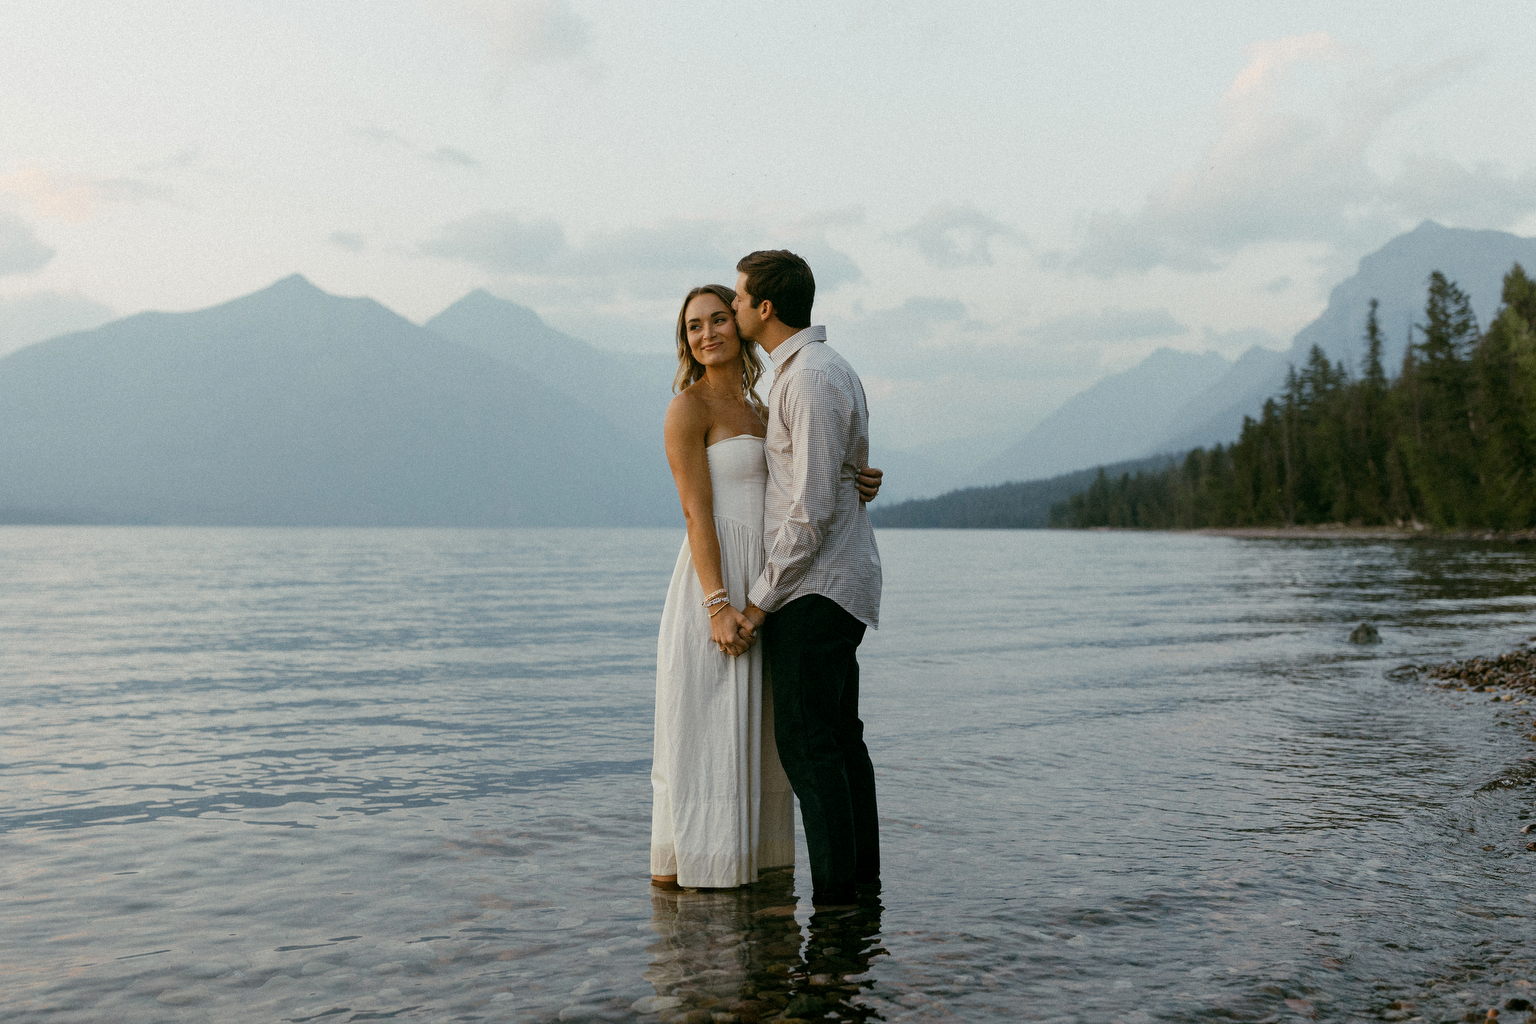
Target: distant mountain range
[
  {"x": 1396, "y": 275},
  {"x": 1174, "y": 401},
  {"x": 295, "y": 407},
  {"x": 1111, "y": 421},
  {"x": 1016, "y": 506}
]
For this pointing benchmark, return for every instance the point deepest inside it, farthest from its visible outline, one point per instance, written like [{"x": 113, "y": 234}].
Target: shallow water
[{"x": 268, "y": 775}]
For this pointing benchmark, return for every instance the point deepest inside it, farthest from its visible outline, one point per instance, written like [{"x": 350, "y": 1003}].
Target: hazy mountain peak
[
  {"x": 294, "y": 406},
  {"x": 480, "y": 313},
  {"x": 1396, "y": 275},
  {"x": 294, "y": 282},
  {"x": 1112, "y": 419}
]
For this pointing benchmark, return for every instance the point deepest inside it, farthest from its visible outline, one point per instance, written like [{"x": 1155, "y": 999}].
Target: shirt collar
[{"x": 795, "y": 342}]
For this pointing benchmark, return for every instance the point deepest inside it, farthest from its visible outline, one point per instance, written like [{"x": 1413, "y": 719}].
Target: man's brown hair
[{"x": 785, "y": 280}]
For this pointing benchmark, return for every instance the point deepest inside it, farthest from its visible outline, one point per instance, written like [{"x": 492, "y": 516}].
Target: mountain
[
  {"x": 294, "y": 407},
  {"x": 628, "y": 390},
  {"x": 1241, "y": 391},
  {"x": 1396, "y": 275},
  {"x": 1110, "y": 421},
  {"x": 1014, "y": 506}
]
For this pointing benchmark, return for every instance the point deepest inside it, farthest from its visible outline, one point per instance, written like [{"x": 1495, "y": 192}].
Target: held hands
[
  {"x": 868, "y": 482},
  {"x": 732, "y": 631}
]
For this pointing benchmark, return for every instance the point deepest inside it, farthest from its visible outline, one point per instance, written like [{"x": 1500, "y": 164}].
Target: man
[{"x": 820, "y": 585}]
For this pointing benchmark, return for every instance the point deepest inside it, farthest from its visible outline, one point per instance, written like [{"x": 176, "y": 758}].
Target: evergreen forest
[{"x": 1449, "y": 442}]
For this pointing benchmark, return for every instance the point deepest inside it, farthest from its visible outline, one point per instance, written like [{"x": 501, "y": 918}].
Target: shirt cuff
[{"x": 762, "y": 595}]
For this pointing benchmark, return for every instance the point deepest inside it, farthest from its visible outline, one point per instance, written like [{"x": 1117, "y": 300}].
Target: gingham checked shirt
[{"x": 815, "y": 528}]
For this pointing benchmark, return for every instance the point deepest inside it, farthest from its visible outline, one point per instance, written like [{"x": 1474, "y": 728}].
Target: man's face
[{"x": 748, "y": 324}]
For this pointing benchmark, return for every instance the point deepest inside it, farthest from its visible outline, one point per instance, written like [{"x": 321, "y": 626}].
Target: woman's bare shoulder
[{"x": 688, "y": 414}]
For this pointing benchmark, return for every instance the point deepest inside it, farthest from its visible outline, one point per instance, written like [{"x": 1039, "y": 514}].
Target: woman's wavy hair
[{"x": 690, "y": 369}]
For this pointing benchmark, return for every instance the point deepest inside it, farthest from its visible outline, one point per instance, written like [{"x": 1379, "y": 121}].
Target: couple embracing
[{"x": 779, "y": 549}]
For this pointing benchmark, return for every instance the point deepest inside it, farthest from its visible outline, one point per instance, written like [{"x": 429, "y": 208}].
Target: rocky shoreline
[
  {"x": 1342, "y": 531},
  {"x": 1503, "y": 989}
]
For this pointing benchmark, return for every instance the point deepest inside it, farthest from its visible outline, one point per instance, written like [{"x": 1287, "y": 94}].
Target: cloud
[
  {"x": 1276, "y": 286},
  {"x": 179, "y": 161},
  {"x": 391, "y": 139},
  {"x": 916, "y": 321},
  {"x": 74, "y": 199},
  {"x": 1290, "y": 164},
  {"x": 500, "y": 242},
  {"x": 349, "y": 240},
  {"x": 27, "y": 319},
  {"x": 20, "y": 251},
  {"x": 1110, "y": 324},
  {"x": 384, "y": 137},
  {"x": 1443, "y": 190},
  {"x": 1234, "y": 343},
  {"x": 449, "y": 155},
  {"x": 649, "y": 261},
  {"x": 957, "y": 236},
  {"x": 532, "y": 31}
]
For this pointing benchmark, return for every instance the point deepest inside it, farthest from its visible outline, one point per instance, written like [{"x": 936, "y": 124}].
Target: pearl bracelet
[{"x": 711, "y": 598}]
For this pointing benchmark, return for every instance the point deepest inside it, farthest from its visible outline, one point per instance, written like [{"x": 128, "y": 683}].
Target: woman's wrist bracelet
[
  {"x": 713, "y": 599},
  {"x": 718, "y": 610}
]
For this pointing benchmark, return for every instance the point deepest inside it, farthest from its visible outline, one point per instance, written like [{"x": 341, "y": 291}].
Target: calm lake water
[{"x": 331, "y": 775}]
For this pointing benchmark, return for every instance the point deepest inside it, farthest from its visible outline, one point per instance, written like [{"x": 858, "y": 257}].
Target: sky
[{"x": 1002, "y": 202}]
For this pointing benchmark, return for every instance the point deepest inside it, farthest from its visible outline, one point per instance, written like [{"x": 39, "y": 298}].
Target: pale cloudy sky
[{"x": 1002, "y": 201}]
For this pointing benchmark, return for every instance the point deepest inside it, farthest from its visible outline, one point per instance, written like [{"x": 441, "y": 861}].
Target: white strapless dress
[{"x": 722, "y": 808}]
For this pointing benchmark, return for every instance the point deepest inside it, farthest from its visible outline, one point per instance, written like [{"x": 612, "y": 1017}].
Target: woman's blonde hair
[{"x": 690, "y": 369}]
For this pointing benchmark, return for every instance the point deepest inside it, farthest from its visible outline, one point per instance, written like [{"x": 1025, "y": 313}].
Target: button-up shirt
[{"x": 815, "y": 528}]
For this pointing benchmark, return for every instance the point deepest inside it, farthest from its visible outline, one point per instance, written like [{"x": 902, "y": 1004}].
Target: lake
[{"x": 336, "y": 775}]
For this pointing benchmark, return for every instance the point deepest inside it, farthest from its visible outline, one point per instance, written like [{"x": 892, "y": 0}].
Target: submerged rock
[
  {"x": 1365, "y": 633},
  {"x": 805, "y": 1006}
]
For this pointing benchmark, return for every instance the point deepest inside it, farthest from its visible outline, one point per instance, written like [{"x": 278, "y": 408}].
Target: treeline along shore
[{"x": 1449, "y": 443}]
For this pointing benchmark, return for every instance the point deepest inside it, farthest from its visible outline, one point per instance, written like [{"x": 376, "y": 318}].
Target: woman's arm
[{"x": 687, "y": 429}]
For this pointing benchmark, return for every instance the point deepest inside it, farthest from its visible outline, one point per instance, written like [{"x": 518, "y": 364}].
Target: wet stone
[
  {"x": 750, "y": 1010},
  {"x": 1365, "y": 633},
  {"x": 805, "y": 1006},
  {"x": 655, "y": 1004}
]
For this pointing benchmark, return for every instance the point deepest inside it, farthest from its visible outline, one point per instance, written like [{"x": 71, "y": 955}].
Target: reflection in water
[{"x": 743, "y": 952}]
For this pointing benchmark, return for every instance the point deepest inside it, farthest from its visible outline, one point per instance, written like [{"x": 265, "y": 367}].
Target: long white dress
[{"x": 722, "y": 807}]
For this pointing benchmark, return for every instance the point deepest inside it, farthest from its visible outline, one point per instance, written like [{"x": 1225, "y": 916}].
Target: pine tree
[
  {"x": 1501, "y": 404},
  {"x": 1442, "y": 458}
]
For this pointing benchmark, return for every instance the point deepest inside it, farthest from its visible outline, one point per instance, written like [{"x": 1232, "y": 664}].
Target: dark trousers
[{"x": 811, "y": 644}]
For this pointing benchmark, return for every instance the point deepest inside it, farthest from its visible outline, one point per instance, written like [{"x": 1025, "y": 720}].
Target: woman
[{"x": 723, "y": 809}]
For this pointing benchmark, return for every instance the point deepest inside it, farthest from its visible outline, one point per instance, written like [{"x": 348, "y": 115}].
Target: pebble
[
  {"x": 655, "y": 1004},
  {"x": 805, "y": 1006}
]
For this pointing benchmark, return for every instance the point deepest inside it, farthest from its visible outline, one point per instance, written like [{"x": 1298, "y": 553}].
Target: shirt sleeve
[{"x": 817, "y": 416}]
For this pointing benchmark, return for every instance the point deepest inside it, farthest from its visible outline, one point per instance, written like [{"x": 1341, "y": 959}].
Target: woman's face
[{"x": 711, "y": 330}]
